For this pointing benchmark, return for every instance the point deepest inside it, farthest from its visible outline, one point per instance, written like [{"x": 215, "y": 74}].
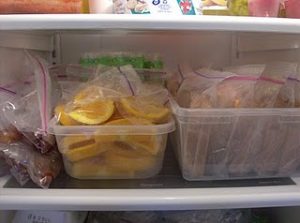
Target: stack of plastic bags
[
  {"x": 26, "y": 98},
  {"x": 244, "y": 123},
  {"x": 274, "y": 85}
]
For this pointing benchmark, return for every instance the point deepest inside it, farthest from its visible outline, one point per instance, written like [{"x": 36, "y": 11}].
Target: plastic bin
[
  {"x": 112, "y": 152},
  {"x": 219, "y": 144}
]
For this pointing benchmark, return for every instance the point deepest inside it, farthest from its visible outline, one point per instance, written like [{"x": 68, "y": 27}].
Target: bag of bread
[
  {"x": 189, "y": 93},
  {"x": 270, "y": 83}
]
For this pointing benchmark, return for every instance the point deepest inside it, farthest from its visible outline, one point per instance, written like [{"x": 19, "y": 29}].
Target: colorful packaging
[{"x": 174, "y": 7}]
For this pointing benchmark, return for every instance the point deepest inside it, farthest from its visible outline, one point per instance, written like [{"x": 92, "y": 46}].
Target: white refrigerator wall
[{"x": 200, "y": 48}]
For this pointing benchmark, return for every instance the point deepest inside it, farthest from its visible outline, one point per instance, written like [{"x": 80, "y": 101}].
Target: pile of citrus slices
[{"x": 117, "y": 156}]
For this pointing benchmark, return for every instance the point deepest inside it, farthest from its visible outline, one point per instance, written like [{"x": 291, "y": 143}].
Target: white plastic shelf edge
[
  {"x": 147, "y": 22},
  {"x": 149, "y": 199}
]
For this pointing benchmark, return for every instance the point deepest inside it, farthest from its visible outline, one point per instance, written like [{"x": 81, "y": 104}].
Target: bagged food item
[
  {"x": 30, "y": 113},
  {"x": 26, "y": 163},
  {"x": 271, "y": 82},
  {"x": 193, "y": 91},
  {"x": 292, "y": 8},
  {"x": 185, "y": 78},
  {"x": 114, "y": 126},
  {"x": 258, "y": 8},
  {"x": 41, "y": 6},
  {"x": 16, "y": 82},
  {"x": 25, "y": 115},
  {"x": 236, "y": 92},
  {"x": 287, "y": 97}
]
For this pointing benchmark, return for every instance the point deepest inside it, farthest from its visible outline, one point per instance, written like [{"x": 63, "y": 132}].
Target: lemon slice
[
  {"x": 93, "y": 113},
  {"x": 63, "y": 117},
  {"x": 149, "y": 110},
  {"x": 77, "y": 148}
]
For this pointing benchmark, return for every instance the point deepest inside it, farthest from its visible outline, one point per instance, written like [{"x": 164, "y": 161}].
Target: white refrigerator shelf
[
  {"x": 150, "y": 199},
  {"x": 167, "y": 191},
  {"x": 147, "y": 22}
]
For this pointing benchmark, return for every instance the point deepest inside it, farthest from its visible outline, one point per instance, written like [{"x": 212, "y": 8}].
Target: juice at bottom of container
[
  {"x": 264, "y": 8},
  {"x": 112, "y": 152}
]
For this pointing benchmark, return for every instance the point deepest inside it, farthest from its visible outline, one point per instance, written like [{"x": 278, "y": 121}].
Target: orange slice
[
  {"x": 77, "y": 148},
  {"x": 149, "y": 143},
  {"x": 63, "y": 117},
  {"x": 149, "y": 110},
  {"x": 93, "y": 113},
  {"x": 129, "y": 161}
]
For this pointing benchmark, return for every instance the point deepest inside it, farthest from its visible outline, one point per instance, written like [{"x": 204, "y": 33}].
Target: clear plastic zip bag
[
  {"x": 31, "y": 111},
  {"x": 26, "y": 163}
]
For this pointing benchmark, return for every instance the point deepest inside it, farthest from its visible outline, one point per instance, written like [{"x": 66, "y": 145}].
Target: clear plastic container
[
  {"x": 219, "y": 144},
  {"x": 112, "y": 152}
]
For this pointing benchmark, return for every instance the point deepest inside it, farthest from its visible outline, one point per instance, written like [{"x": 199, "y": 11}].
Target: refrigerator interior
[
  {"x": 199, "y": 48},
  {"x": 210, "y": 49}
]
